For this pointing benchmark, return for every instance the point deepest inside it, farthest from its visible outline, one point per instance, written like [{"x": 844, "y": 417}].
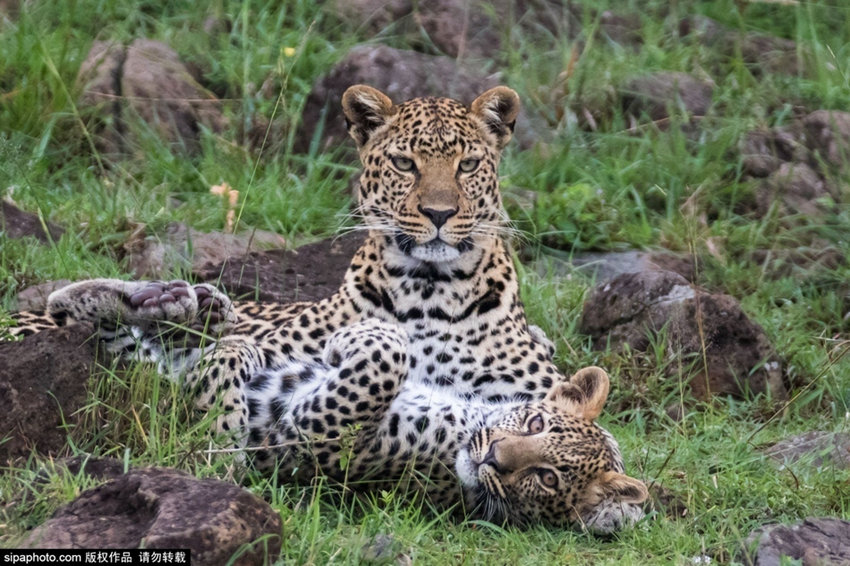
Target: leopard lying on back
[{"x": 421, "y": 369}]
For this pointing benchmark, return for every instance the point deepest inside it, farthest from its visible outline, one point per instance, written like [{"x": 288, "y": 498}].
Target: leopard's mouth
[{"x": 433, "y": 251}]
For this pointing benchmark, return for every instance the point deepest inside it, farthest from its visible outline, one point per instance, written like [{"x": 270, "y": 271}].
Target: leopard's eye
[
  {"x": 548, "y": 478},
  {"x": 535, "y": 425},
  {"x": 469, "y": 165},
  {"x": 403, "y": 163}
]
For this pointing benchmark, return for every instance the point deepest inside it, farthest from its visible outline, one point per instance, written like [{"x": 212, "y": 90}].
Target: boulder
[
  {"x": 15, "y": 223},
  {"x": 827, "y": 135},
  {"x": 402, "y": 75},
  {"x": 817, "y": 448},
  {"x": 467, "y": 28},
  {"x": 657, "y": 94},
  {"x": 604, "y": 266},
  {"x": 129, "y": 90},
  {"x": 795, "y": 189},
  {"x": 731, "y": 355},
  {"x": 34, "y": 297},
  {"x": 183, "y": 248},
  {"x": 761, "y": 53},
  {"x": 814, "y": 542},
  {"x": 163, "y": 508},
  {"x": 43, "y": 384}
]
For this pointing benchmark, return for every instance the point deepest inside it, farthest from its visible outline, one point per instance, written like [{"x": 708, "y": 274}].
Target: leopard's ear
[
  {"x": 366, "y": 109},
  {"x": 584, "y": 394},
  {"x": 497, "y": 109},
  {"x": 621, "y": 488}
]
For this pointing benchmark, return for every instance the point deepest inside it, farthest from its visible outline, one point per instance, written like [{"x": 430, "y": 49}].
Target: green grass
[{"x": 610, "y": 187}]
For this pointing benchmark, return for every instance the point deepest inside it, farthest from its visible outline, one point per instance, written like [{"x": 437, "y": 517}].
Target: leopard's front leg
[
  {"x": 311, "y": 419},
  {"x": 133, "y": 318}
]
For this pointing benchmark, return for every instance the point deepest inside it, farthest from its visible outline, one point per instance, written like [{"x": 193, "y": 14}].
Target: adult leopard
[{"x": 421, "y": 368}]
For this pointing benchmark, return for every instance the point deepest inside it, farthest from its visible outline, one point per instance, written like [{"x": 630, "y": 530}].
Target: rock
[
  {"x": 34, "y": 298},
  {"x": 308, "y": 273},
  {"x": 402, "y": 75},
  {"x": 731, "y": 354},
  {"x": 464, "y": 28},
  {"x": 604, "y": 266},
  {"x": 761, "y": 53},
  {"x": 796, "y": 189},
  {"x": 42, "y": 385},
  {"x": 764, "y": 151},
  {"x": 182, "y": 247},
  {"x": 817, "y": 448},
  {"x": 827, "y": 135},
  {"x": 815, "y": 541},
  {"x": 621, "y": 29},
  {"x": 163, "y": 508},
  {"x": 9, "y": 9},
  {"x": 657, "y": 94},
  {"x": 15, "y": 223},
  {"x": 144, "y": 82}
]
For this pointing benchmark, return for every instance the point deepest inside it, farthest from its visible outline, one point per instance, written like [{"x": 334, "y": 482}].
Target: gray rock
[
  {"x": 604, "y": 266},
  {"x": 817, "y": 448},
  {"x": 814, "y": 542},
  {"x": 796, "y": 189},
  {"x": 144, "y": 86},
  {"x": 34, "y": 298},
  {"x": 761, "y": 53},
  {"x": 828, "y": 137},
  {"x": 764, "y": 151},
  {"x": 163, "y": 508},
  {"x": 15, "y": 223},
  {"x": 464, "y": 29},
  {"x": 400, "y": 74},
  {"x": 42, "y": 385},
  {"x": 655, "y": 95},
  {"x": 730, "y": 354},
  {"x": 182, "y": 248}
]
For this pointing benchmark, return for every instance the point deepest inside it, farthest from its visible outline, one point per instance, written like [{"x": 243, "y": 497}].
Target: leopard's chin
[
  {"x": 434, "y": 251},
  {"x": 466, "y": 469}
]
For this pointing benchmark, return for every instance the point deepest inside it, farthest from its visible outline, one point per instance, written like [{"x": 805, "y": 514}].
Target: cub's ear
[
  {"x": 621, "y": 488},
  {"x": 365, "y": 109},
  {"x": 584, "y": 394},
  {"x": 497, "y": 109}
]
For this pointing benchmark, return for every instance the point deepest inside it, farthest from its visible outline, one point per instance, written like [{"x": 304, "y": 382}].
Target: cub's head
[
  {"x": 548, "y": 462},
  {"x": 430, "y": 179}
]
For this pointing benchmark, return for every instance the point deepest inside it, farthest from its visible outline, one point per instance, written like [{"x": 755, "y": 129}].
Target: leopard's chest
[{"x": 472, "y": 357}]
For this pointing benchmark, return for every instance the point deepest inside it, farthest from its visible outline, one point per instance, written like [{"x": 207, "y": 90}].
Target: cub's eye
[
  {"x": 535, "y": 425},
  {"x": 469, "y": 165},
  {"x": 403, "y": 163},
  {"x": 548, "y": 478}
]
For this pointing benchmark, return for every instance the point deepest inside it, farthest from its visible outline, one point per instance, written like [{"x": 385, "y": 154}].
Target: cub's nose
[{"x": 437, "y": 217}]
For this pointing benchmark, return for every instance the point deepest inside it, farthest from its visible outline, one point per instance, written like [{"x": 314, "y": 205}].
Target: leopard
[{"x": 421, "y": 370}]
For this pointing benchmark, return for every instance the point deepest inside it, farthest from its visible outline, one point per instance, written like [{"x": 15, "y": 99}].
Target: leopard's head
[
  {"x": 430, "y": 169},
  {"x": 549, "y": 462}
]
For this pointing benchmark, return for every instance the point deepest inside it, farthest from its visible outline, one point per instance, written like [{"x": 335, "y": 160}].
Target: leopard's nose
[
  {"x": 490, "y": 457},
  {"x": 437, "y": 216}
]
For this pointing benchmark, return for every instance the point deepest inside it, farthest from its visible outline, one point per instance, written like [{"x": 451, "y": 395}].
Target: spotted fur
[{"x": 421, "y": 369}]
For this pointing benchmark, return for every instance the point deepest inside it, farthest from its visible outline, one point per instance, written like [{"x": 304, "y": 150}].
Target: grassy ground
[{"x": 607, "y": 189}]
